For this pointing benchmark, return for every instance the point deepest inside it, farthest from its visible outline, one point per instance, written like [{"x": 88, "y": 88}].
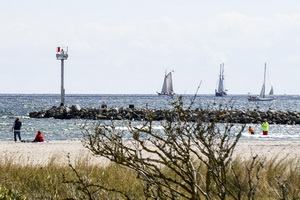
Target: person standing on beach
[
  {"x": 17, "y": 129},
  {"x": 265, "y": 127}
]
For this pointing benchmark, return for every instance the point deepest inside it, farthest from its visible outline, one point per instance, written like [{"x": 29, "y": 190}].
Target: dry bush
[{"x": 186, "y": 160}]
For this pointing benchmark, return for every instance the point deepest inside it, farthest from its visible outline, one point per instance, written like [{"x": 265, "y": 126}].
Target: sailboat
[
  {"x": 262, "y": 96},
  {"x": 167, "y": 88},
  {"x": 220, "y": 92}
]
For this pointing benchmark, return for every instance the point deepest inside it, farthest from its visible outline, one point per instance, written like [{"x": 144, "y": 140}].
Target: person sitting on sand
[
  {"x": 251, "y": 130},
  {"x": 38, "y": 137}
]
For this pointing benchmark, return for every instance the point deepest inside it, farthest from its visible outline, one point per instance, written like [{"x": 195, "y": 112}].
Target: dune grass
[
  {"x": 255, "y": 178},
  {"x": 56, "y": 181}
]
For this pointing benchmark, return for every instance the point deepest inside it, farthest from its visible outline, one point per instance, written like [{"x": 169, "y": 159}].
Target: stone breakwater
[{"x": 222, "y": 116}]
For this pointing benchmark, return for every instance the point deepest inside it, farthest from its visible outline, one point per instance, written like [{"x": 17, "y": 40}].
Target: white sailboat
[
  {"x": 220, "y": 92},
  {"x": 167, "y": 88},
  {"x": 262, "y": 96}
]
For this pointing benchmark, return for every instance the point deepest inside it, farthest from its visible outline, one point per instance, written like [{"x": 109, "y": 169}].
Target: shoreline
[{"x": 57, "y": 152}]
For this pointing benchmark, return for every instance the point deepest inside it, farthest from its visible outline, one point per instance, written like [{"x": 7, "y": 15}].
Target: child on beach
[{"x": 251, "y": 130}]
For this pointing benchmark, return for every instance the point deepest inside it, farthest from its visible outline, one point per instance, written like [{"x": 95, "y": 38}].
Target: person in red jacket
[{"x": 39, "y": 137}]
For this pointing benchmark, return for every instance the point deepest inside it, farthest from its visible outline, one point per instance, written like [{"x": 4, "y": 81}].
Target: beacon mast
[{"x": 62, "y": 54}]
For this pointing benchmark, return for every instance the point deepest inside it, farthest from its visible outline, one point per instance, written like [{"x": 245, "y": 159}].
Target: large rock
[{"x": 75, "y": 108}]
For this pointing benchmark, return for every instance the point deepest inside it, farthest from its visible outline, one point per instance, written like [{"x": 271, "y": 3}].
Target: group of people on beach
[
  {"x": 264, "y": 126},
  {"x": 16, "y": 128},
  {"x": 39, "y": 137}
]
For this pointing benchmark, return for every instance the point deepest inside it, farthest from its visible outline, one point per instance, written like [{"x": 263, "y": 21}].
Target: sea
[{"x": 20, "y": 105}]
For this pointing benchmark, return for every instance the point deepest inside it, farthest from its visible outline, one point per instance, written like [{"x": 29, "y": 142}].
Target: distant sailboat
[
  {"x": 262, "y": 96},
  {"x": 167, "y": 88},
  {"x": 220, "y": 92}
]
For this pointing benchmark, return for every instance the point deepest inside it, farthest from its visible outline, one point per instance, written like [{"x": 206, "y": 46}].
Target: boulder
[{"x": 75, "y": 108}]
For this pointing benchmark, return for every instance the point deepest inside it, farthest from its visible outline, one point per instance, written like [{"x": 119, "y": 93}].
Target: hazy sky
[{"x": 125, "y": 46}]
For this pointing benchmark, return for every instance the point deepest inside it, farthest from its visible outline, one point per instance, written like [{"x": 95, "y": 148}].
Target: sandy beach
[
  {"x": 58, "y": 151},
  {"x": 268, "y": 149},
  {"x": 46, "y": 152}
]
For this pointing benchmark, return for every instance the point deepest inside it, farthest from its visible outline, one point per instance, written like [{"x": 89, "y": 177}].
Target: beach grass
[
  {"x": 57, "y": 181},
  {"x": 259, "y": 178}
]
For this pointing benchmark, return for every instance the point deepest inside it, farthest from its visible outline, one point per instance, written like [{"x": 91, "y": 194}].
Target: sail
[
  {"x": 169, "y": 83},
  {"x": 164, "y": 88},
  {"x": 220, "y": 91},
  {"x": 221, "y": 85},
  {"x": 167, "y": 88},
  {"x": 271, "y": 91},
  {"x": 263, "y": 91}
]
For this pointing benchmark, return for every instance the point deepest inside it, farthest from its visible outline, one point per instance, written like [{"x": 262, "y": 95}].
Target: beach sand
[
  {"x": 58, "y": 151},
  {"x": 43, "y": 153},
  {"x": 268, "y": 149}
]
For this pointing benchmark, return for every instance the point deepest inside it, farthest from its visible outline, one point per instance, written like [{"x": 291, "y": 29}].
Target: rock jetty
[{"x": 131, "y": 113}]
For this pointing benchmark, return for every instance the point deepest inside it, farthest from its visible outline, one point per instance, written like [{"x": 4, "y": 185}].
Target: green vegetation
[
  {"x": 258, "y": 179},
  {"x": 49, "y": 182}
]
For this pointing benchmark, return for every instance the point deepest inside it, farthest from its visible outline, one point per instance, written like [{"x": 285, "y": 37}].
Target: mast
[
  {"x": 221, "y": 79},
  {"x": 265, "y": 79}
]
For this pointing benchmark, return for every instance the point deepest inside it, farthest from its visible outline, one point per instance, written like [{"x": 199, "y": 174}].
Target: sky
[{"x": 126, "y": 46}]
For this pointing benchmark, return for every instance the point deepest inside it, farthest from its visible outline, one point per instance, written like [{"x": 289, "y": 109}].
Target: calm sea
[{"x": 53, "y": 129}]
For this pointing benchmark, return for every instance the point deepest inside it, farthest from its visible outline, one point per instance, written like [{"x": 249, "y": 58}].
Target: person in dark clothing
[
  {"x": 38, "y": 137},
  {"x": 17, "y": 129}
]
